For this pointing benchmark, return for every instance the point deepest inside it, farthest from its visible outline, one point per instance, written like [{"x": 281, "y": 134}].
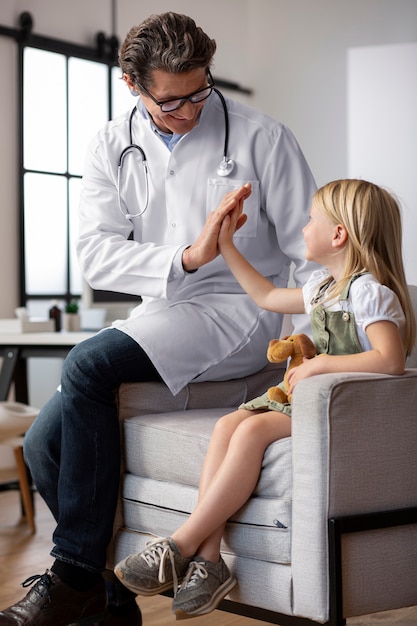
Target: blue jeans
[{"x": 73, "y": 447}]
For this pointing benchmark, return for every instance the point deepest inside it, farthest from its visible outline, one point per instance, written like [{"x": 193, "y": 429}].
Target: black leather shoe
[{"x": 51, "y": 602}]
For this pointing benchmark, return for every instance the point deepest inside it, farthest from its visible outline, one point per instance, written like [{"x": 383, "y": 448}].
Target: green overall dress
[{"x": 334, "y": 332}]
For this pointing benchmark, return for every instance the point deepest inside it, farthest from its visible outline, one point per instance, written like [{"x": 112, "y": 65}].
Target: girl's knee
[
  {"x": 249, "y": 429},
  {"x": 226, "y": 424}
]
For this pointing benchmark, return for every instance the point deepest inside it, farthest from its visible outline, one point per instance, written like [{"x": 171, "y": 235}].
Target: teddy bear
[{"x": 296, "y": 347}]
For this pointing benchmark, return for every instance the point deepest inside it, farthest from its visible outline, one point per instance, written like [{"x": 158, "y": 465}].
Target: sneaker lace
[
  {"x": 195, "y": 572},
  {"x": 43, "y": 584},
  {"x": 156, "y": 554}
]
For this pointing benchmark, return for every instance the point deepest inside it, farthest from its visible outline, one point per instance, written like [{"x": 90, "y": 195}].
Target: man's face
[{"x": 167, "y": 86}]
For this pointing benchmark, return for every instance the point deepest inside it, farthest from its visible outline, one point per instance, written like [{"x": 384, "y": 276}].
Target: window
[{"x": 65, "y": 100}]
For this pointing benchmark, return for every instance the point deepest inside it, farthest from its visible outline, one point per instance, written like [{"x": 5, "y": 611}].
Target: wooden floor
[{"x": 23, "y": 554}]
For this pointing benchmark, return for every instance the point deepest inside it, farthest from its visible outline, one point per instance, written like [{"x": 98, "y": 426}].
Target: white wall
[
  {"x": 8, "y": 181},
  {"x": 382, "y": 128},
  {"x": 293, "y": 53}
]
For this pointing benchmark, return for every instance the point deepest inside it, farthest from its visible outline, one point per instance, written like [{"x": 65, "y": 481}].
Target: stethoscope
[{"x": 225, "y": 167}]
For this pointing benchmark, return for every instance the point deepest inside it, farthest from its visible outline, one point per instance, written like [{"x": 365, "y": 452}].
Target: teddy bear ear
[
  {"x": 273, "y": 353},
  {"x": 307, "y": 346}
]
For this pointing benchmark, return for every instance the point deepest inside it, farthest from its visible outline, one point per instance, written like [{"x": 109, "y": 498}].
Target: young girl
[{"x": 362, "y": 320}]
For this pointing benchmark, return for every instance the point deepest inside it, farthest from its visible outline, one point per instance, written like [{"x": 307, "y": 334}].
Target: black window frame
[{"x": 104, "y": 53}]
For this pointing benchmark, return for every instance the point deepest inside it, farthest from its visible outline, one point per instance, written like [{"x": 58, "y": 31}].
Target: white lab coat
[{"x": 194, "y": 326}]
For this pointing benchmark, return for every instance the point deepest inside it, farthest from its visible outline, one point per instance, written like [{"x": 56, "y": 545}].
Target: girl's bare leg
[
  {"x": 229, "y": 477},
  {"x": 217, "y": 450},
  {"x": 219, "y": 444}
]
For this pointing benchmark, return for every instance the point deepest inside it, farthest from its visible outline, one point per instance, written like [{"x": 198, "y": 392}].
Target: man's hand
[{"x": 206, "y": 246}]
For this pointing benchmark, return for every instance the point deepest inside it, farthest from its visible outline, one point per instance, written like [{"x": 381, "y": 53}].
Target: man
[{"x": 149, "y": 226}]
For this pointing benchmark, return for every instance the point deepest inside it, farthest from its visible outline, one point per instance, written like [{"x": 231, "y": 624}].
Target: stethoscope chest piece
[{"x": 226, "y": 167}]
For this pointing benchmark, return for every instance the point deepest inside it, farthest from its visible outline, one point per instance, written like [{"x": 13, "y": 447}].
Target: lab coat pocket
[{"x": 218, "y": 187}]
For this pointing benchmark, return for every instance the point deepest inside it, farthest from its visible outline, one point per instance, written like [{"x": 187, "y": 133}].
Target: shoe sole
[
  {"x": 214, "y": 602},
  {"x": 140, "y": 591}
]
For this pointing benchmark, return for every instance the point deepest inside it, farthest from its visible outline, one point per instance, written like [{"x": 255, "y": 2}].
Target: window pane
[
  {"x": 88, "y": 107},
  {"x": 122, "y": 99},
  {"x": 44, "y": 111},
  {"x": 76, "y": 283},
  {"x": 45, "y": 202}
]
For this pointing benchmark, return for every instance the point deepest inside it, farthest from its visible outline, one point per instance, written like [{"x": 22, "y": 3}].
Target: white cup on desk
[{"x": 21, "y": 313}]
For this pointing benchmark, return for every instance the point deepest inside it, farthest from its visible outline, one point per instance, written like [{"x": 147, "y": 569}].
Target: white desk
[{"x": 16, "y": 347}]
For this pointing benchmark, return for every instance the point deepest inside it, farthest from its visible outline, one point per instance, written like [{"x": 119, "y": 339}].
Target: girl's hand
[
  {"x": 307, "y": 368},
  {"x": 235, "y": 218},
  {"x": 206, "y": 246},
  {"x": 231, "y": 223}
]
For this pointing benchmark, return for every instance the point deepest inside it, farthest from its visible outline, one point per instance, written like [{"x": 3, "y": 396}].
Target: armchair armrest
[{"x": 353, "y": 440}]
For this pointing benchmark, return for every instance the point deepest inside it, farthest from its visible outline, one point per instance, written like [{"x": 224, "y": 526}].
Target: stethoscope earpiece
[{"x": 226, "y": 167}]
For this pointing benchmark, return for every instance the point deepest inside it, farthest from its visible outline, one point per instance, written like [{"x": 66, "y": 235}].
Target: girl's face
[{"x": 320, "y": 235}]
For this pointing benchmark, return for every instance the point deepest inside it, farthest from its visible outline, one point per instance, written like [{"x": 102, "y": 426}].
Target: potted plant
[{"x": 72, "y": 318}]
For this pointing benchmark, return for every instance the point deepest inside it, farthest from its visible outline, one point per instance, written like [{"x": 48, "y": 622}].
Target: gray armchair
[{"x": 331, "y": 529}]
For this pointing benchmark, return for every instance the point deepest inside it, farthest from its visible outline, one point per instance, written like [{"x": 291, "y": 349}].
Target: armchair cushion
[{"x": 164, "y": 472}]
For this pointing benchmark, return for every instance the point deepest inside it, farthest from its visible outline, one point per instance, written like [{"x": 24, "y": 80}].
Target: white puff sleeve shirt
[{"x": 369, "y": 301}]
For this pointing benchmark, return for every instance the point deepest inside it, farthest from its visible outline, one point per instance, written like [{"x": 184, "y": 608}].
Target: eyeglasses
[{"x": 167, "y": 106}]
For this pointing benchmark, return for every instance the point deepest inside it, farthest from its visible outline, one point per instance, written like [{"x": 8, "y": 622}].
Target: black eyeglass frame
[{"x": 181, "y": 101}]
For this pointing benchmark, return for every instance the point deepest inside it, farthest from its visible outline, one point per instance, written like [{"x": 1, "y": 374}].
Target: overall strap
[{"x": 334, "y": 332}]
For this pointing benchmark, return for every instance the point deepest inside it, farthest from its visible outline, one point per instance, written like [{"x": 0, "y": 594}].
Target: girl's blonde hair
[{"x": 372, "y": 218}]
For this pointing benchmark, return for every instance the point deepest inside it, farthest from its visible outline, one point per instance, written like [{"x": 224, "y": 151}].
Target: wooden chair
[{"x": 15, "y": 419}]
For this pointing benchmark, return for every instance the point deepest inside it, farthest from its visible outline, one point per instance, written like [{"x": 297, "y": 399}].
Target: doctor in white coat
[
  {"x": 148, "y": 226},
  {"x": 162, "y": 192}
]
